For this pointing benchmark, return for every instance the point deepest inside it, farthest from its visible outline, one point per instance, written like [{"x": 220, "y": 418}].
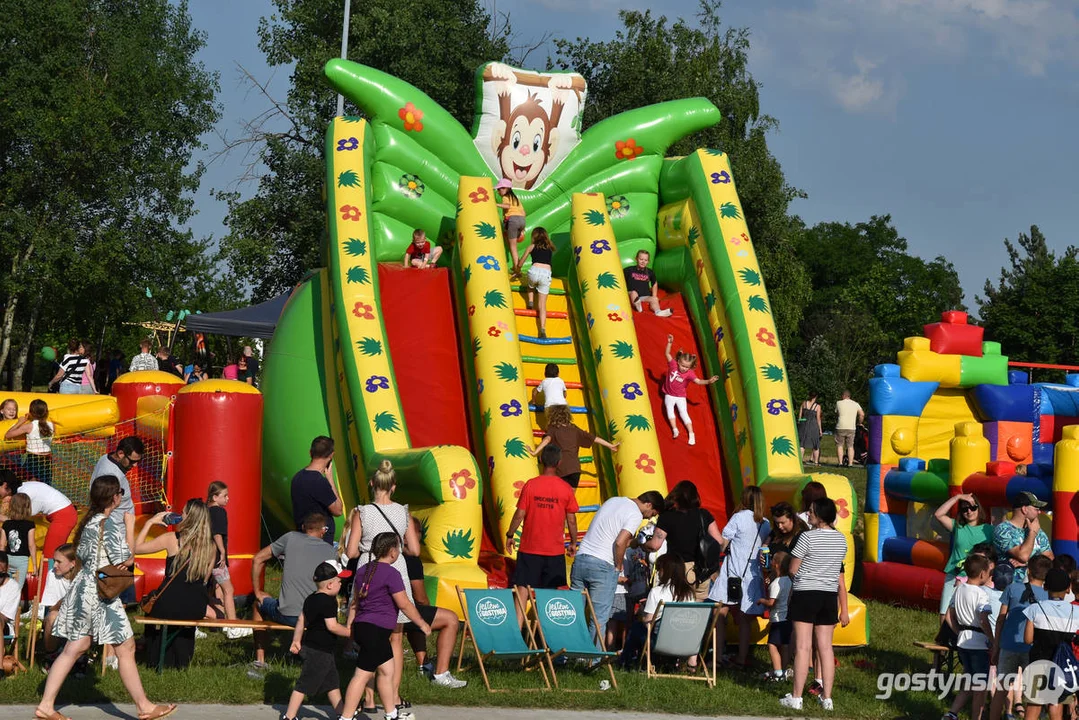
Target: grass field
[{"x": 218, "y": 674}]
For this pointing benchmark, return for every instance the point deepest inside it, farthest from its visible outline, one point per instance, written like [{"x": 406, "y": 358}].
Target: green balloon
[{"x": 48, "y": 353}]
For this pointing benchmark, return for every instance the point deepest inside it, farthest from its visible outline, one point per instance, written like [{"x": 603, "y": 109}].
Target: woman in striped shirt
[{"x": 818, "y": 598}]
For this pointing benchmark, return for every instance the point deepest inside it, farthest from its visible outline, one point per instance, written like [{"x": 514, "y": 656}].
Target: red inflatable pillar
[
  {"x": 217, "y": 435},
  {"x": 136, "y": 392}
]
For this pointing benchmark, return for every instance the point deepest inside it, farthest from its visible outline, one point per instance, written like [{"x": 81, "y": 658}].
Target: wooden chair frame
[
  {"x": 480, "y": 657},
  {"x": 599, "y": 637},
  {"x": 709, "y": 642}
]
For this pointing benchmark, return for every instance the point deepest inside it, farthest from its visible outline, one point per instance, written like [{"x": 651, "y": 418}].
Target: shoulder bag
[
  {"x": 151, "y": 598},
  {"x": 734, "y": 583},
  {"x": 708, "y": 556},
  {"x": 111, "y": 579}
]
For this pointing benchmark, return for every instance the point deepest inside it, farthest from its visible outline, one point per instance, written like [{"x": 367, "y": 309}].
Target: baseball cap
[
  {"x": 1025, "y": 498},
  {"x": 504, "y": 183},
  {"x": 1057, "y": 580},
  {"x": 329, "y": 570}
]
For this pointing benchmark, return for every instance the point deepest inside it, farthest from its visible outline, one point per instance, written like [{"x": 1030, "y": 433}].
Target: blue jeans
[
  {"x": 600, "y": 579},
  {"x": 271, "y": 610},
  {"x": 18, "y": 566}
]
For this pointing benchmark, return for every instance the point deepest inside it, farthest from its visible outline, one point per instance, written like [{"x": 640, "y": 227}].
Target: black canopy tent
[{"x": 256, "y": 321}]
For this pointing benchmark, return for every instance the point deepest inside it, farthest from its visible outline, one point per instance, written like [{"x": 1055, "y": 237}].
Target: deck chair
[
  {"x": 491, "y": 625},
  {"x": 563, "y": 617},
  {"x": 686, "y": 629}
]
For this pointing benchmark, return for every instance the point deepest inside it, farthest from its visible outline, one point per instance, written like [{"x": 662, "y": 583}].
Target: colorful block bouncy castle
[
  {"x": 434, "y": 368},
  {"x": 948, "y": 418}
]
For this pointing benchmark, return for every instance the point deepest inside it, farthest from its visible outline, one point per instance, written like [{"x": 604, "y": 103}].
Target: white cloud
[
  {"x": 860, "y": 91},
  {"x": 860, "y": 52}
]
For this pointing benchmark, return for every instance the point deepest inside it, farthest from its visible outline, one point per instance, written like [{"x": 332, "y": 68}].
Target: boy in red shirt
[
  {"x": 547, "y": 502},
  {"x": 420, "y": 253}
]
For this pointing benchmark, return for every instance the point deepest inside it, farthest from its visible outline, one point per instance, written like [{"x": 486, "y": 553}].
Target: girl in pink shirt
[{"x": 679, "y": 374}]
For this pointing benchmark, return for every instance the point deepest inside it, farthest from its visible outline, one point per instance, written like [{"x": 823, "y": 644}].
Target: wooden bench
[
  {"x": 166, "y": 639},
  {"x": 943, "y": 656}
]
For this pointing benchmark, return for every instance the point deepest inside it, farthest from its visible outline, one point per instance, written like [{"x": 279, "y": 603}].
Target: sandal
[
  {"x": 159, "y": 711},
  {"x": 55, "y": 716}
]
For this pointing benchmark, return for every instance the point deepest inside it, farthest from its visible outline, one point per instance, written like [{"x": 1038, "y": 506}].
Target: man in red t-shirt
[{"x": 547, "y": 503}]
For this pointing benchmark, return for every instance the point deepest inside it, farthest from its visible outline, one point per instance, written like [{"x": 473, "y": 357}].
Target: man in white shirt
[
  {"x": 850, "y": 416},
  {"x": 598, "y": 565}
]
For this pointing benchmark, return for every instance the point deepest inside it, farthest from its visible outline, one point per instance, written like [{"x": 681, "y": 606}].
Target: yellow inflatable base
[{"x": 447, "y": 578}]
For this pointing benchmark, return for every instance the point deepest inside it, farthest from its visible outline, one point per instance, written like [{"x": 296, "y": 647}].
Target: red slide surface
[
  {"x": 701, "y": 463},
  {"x": 417, "y": 307}
]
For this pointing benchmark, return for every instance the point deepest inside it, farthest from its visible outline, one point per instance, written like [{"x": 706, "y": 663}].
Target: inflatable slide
[{"x": 434, "y": 368}]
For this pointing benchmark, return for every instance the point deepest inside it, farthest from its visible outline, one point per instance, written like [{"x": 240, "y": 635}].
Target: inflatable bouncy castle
[
  {"x": 948, "y": 418},
  {"x": 434, "y": 368},
  {"x": 192, "y": 434}
]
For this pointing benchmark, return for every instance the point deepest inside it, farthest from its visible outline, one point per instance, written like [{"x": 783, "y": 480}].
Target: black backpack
[{"x": 707, "y": 559}]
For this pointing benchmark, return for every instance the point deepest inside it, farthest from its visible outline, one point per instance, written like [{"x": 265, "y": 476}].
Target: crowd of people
[
  {"x": 1008, "y": 601},
  {"x": 79, "y": 372}
]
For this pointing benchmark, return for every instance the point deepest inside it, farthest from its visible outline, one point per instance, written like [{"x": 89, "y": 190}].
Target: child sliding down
[{"x": 679, "y": 375}]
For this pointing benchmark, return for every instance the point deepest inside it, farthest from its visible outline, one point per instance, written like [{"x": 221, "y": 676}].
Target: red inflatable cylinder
[
  {"x": 130, "y": 388},
  {"x": 217, "y": 435}
]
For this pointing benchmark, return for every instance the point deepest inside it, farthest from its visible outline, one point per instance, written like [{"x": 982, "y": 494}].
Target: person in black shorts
[
  {"x": 641, "y": 284},
  {"x": 315, "y": 646},
  {"x": 441, "y": 620},
  {"x": 546, "y": 505},
  {"x": 818, "y": 599}
]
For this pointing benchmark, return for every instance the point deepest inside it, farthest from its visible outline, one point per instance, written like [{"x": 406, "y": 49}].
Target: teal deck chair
[
  {"x": 685, "y": 630},
  {"x": 491, "y": 625},
  {"x": 563, "y": 617}
]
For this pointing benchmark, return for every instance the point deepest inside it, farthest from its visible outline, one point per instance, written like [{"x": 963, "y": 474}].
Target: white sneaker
[
  {"x": 200, "y": 635},
  {"x": 789, "y": 701},
  {"x": 447, "y": 680},
  {"x": 665, "y": 312},
  {"x": 826, "y": 704},
  {"x": 675, "y": 433},
  {"x": 112, "y": 662},
  {"x": 692, "y": 439},
  {"x": 237, "y": 633}
]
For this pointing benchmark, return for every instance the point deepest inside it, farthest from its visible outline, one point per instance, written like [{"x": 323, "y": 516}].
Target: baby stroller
[{"x": 861, "y": 445}]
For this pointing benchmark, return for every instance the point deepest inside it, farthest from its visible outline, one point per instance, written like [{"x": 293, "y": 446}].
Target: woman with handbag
[
  {"x": 92, "y": 611},
  {"x": 365, "y": 524},
  {"x": 184, "y": 592},
  {"x": 741, "y": 582},
  {"x": 689, "y": 530}
]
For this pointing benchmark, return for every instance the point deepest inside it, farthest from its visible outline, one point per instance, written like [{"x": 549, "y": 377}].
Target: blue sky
[{"x": 952, "y": 115}]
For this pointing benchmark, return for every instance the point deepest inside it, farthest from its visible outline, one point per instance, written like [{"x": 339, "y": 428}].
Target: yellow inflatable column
[
  {"x": 614, "y": 348},
  {"x": 507, "y": 430},
  {"x": 969, "y": 451}
]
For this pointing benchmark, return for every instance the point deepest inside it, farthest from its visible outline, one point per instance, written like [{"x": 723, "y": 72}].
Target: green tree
[
  {"x": 436, "y": 45},
  {"x": 103, "y": 104},
  {"x": 1031, "y": 311},
  {"x": 651, "y": 60},
  {"x": 869, "y": 293}
]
